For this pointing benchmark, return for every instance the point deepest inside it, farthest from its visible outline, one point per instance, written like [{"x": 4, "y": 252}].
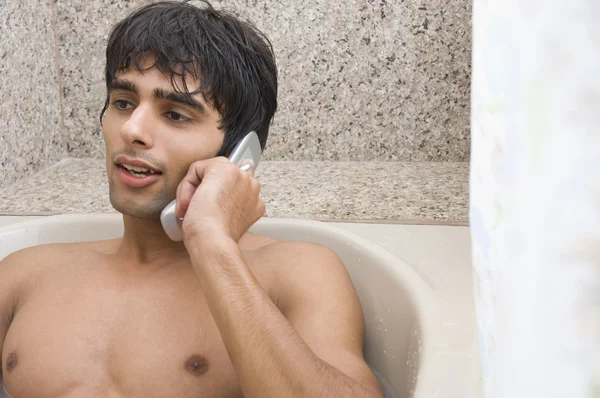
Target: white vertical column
[{"x": 535, "y": 196}]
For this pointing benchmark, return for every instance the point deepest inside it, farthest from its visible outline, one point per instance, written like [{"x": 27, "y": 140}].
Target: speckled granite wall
[
  {"x": 30, "y": 116},
  {"x": 360, "y": 79}
]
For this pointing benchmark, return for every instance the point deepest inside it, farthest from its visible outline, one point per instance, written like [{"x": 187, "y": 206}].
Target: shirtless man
[{"x": 225, "y": 313}]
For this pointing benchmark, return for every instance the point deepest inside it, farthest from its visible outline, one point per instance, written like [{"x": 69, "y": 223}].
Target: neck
[{"x": 145, "y": 242}]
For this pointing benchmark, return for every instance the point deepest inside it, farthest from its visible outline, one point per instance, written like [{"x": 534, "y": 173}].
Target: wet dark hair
[{"x": 233, "y": 60}]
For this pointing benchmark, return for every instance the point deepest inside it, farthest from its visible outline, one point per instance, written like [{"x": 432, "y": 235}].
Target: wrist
[
  {"x": 206, "y": 231},
  {"x": 204, "y": 245}
]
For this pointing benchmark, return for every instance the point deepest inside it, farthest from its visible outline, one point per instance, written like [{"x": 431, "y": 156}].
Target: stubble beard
[{"x": 148, "y": 208}]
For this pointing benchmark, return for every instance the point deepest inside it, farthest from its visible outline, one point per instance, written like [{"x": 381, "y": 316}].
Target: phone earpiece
[{"x": 247, "y": 149}]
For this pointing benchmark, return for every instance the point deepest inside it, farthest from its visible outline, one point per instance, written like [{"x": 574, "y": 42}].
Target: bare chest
[{"x": 94, "y": 335}]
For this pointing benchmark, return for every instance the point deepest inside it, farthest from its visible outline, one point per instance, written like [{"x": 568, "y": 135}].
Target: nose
[{"x": 137, "y": 130}]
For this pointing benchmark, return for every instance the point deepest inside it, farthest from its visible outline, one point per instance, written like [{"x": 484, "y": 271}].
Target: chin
[
  {"x": 137, "y": 211},
  {"x": 139, "y": 207}
]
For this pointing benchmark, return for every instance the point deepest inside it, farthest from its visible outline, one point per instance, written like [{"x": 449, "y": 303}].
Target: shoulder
[
  {"x": 288, "y": 257},
  {"x": 302, "y": 256},
  {"x": 31, "y": 261},
  {"x": 32, "y": 255},
  {"x": 53, "y": 250},
  {"x": 252, "y": 241},
  {"x": 305, "y": 270},
  {"x": 19, "y": 271},
  {"x": 301, "y": 253},
  {"x": 298, "y": 272}
]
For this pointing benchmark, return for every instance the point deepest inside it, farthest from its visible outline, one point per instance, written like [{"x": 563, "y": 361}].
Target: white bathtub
[{"x": 412, "y": 341}]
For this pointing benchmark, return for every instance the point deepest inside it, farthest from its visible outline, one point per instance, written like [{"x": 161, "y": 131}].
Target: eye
[
  {"x": 177, "y": 117},
  {"x": 122, "y": 104}
]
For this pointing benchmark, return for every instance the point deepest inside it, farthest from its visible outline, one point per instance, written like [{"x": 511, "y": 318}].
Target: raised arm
[
  {"x": 313, "y": 348},
  {"x": 317, "y": 350}
]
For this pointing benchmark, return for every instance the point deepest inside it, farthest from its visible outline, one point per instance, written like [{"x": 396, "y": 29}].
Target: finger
[
  {"x": 248, "y": 166},
  {"x": 184, "y": 199},
  {"x": 261, "y": 208},
  {"x": 177, "y": 196},
  {"x": 188, "y": 186}
]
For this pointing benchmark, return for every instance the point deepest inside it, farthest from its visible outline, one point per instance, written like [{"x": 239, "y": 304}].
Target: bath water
[
  {"x": 3, "y": 393},
  {"x": 387, "y": 389}
]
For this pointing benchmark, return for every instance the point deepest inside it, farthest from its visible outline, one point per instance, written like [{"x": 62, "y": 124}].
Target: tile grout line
[
  {"x": 59, "y": 78},
  {"x": 53, "y": 26}
]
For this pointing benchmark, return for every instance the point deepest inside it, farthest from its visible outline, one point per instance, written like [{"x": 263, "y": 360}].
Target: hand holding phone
[{"x": 247, "y": 149}]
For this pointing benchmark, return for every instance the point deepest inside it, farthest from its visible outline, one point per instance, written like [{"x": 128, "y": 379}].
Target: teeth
[
  {"x": 138, "y": 169},
  {"x": 133, "y": 173}
]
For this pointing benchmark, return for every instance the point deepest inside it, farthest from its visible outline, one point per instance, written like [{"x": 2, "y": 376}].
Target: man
[{"x": 225, "y": 313}]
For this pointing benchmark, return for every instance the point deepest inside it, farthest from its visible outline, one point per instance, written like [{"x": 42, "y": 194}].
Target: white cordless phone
[{"x": 247, "y": 148}]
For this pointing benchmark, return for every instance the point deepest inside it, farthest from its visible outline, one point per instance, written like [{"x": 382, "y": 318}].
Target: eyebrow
[
  {"x": 181, "y": 98},
  {"x": 119, "y": 84},
  {"x": 159, "y": 93}
]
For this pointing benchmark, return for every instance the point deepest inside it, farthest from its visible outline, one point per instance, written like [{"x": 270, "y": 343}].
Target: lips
[
  {"x": 137, "y": 180},
  {"x": 133, "y": 164},
  {"x": 136, "y": 173}
]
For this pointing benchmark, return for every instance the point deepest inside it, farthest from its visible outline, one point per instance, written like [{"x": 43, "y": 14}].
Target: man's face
[{"x": 150, "y": 126}]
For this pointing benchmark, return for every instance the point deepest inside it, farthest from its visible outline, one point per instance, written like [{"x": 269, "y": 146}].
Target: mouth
[
  {"x": 136, "y": 171},
  {"x": 138, "y": 175}
]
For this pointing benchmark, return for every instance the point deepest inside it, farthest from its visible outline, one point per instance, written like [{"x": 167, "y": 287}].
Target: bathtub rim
[{"x": 418, "y": 290}]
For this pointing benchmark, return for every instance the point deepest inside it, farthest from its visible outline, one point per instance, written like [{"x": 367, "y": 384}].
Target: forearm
[{"x": 270, "y": 358}]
